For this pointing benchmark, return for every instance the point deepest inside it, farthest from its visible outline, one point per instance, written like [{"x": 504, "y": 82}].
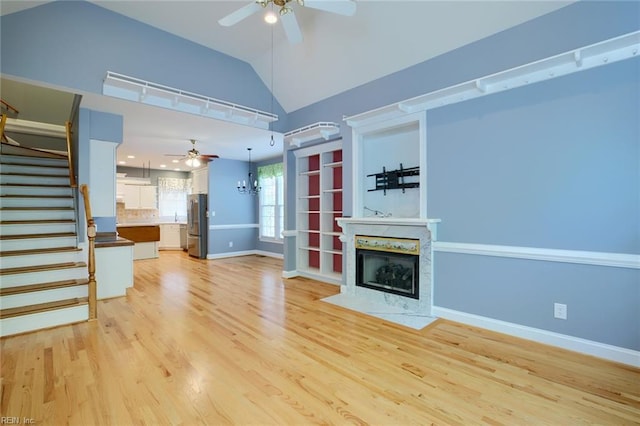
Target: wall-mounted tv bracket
[{"x": 395, "y": 179}]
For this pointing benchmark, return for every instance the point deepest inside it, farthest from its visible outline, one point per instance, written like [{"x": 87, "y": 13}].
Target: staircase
[{"x": 43, "y": 273}]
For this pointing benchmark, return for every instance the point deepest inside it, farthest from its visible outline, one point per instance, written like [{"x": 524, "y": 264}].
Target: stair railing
[
  {"x": 91, "y": 235},
  {"x": 72, "y": 174}
]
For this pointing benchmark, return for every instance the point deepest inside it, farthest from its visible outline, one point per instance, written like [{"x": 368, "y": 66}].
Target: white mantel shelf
[{"x": 430, "y": 224}]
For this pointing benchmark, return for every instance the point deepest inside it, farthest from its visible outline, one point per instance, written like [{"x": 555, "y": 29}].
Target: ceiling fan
[
  {"x": 193, "y": 157},
  {"x": 289, "y": 22}
]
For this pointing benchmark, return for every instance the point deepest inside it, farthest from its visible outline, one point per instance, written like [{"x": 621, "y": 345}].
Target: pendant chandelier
[{"x": 249, "y": 187}]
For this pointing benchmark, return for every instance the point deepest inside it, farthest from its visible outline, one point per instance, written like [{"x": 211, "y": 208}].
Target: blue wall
[{"x": 236, "y": 216}]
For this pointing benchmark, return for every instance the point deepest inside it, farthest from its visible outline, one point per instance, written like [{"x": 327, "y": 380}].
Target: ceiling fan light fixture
[
  {"x": 193, "y": 162},
  {"x": 270, "y": 17}
]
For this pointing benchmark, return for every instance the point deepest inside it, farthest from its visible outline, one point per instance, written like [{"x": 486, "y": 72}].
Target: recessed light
[
  {"x": 162, "y": 166},
  {"x": 175, "y": 161},
  {"x": 131, "y": 156},
  {"x": 122, "y": 162},
  {"x": 177, "y": 170}
]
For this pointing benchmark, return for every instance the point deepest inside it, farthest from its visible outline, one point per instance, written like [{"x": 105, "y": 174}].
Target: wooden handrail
[
  {"x": 9, "y": 107},
  {"x": 91, "y": 235},
  {"x": 3, "y": 121},
  {"x": 72, "y": 174}
]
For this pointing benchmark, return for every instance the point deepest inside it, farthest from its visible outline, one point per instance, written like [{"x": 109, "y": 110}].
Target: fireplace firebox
[{"x": 388, "y": 264}]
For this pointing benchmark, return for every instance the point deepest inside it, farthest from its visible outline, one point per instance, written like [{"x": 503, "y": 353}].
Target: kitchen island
[{"x": 146, "y": 237}]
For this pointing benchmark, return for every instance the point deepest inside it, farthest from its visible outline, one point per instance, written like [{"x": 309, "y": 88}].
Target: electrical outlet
[
  {"x": 560, "y": 311},
  {"x": 230, "y": 243}
]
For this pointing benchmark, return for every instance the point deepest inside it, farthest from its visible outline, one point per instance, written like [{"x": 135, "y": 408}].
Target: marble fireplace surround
[{"x": 413, "y": 228}]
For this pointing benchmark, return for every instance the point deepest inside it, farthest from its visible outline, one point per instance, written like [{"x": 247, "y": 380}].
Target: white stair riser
[
  {"x": 45, "y": 296},
  {"x": 43, "y": 228},
  {"x": 41, "y": 161},
  {"x": 22, "y": 324},
  {"x": 37, "y": 214},
  {"x": 37, "y": 243},
  {"x": 16, "y": 280},
  {"x": 36, "y": 202},
  {"x": 34, "y": 180},
  {"x": 35, "y": 190},
  {"x": 34, "y": 170},
  {"x": 41, "y": 259}
]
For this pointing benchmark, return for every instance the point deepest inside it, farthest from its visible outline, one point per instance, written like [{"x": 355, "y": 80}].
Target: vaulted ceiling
[{"x": 338, "y": 52}]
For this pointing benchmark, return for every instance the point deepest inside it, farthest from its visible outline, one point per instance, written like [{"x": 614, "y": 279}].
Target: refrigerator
[{"x": 197, "y": 225}]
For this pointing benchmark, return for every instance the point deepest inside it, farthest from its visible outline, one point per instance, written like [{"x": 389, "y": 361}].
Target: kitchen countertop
[{"x": 129, "y": 224}]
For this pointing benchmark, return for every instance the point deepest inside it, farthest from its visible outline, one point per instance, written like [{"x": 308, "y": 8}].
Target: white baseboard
[
  {"x": 290, "y": 274},
  {"x": 589, "y": 347},
  {"x": 244, "y": 253}
]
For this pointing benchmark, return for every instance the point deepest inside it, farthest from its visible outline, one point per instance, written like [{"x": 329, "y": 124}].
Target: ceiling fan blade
[
  {"x": 240, "y": 14},
  {"x": 209, "y": 156},
  {"x": 291, "y": 27},
  {"x": 341, "y": 7}
]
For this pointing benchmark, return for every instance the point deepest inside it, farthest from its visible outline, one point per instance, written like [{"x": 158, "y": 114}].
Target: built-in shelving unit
[{"x": 318, "y": 204}]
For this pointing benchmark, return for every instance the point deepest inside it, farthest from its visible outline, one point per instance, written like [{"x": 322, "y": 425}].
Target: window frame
[{"x": 278, "y": 208}]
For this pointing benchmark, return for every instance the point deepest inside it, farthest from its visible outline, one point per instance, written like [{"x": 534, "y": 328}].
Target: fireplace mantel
[{"x": 430, "y": 224}]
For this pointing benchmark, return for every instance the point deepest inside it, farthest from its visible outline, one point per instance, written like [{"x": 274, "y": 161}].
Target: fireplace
[
  {"x": 389, "y": 265},
  {"x": 372, "y": 243}
]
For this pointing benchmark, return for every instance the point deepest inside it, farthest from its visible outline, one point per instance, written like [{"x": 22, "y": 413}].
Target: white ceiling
[{"x": 338, "y": 53}]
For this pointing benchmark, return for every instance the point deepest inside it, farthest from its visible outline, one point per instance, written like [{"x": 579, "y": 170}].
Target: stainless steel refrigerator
[{"x": 197, "y": 225}]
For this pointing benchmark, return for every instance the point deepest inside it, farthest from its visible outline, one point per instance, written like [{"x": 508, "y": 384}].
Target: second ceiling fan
[
  {"x": 193, "y": 158},
  {"x": 289, "y": 21}
]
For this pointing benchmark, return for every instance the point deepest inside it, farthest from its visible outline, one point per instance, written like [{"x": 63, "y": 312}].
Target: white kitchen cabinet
[
  {"x": 200, "y": 181},
  {"x": 140, "y": 197},
  {"x": 170, "y": 236}
]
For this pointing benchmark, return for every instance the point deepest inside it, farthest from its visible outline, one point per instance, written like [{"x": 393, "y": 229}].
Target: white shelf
[
  {"x": 310, "y": 173},
  {"x": 331, "y": 191},
  {"x": 320, "y": 130},
  {"x": 333, "y": 234},
  {"x": 308, "y": 197},
  {"x": 334, "y": 164},
  {"x": 310, "y": 248},
  {"x": 332, "y": 251},
  {"x": 602, "y": 53},
  {"x": 137, "y": 90}
]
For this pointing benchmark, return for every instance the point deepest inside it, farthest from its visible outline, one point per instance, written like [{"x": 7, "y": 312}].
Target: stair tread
[
  {"x": 39, "y": 251},
  {"x": 43, "y": 307},
  {"x": 41, "y": 268},
  {"x": 42, "y": 286},
  {"x": 32, "y": 164},
  {"x": 33, "y": 174},
  {"x": 37, "y": 153},
  {"x": 27, "y": 236},
  {"x": 35, "y": 196},
  {"x": 36, "y": 185},
  {"x": 36, "y": 221},
  {"x": 36, "y": 208}
]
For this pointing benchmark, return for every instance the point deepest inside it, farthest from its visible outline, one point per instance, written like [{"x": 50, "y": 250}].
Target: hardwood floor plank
[{"x": 229, "y": 341}]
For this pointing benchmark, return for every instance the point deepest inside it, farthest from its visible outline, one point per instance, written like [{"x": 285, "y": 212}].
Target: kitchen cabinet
[
  {"x": 200, "y": 181},
  {"x": 140, "y": 197},
  {"x": 170, "y": 236}
]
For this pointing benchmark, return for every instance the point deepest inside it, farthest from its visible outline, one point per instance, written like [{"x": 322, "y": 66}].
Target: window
[
  {"x": 271, "y": 180},
  {"x": 172, "y": 198}
]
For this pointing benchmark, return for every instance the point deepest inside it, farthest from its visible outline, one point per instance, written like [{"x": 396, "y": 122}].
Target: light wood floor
[{"x": 230, "y": 342}]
